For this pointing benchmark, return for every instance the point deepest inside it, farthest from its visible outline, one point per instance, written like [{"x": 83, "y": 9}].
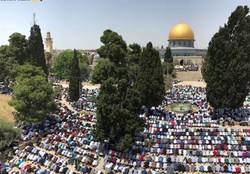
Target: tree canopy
[
  {"x": 167, "y": 64},
  {"x": 168, "y": 55},
  {"x": 26, "y": 71},
  {"x": 117, "y": 114},
  {"x": 33, "y": 96},
  {"x": 12, "y": 55},
  {"x": 18, "y": 48},
  {"x": 118, "y": 103},
  {"x": 62, "y": 66},
  {"x": 6, "y": 63},
  {"x": 23, "y": 63},
  {"x": 36, "y": 48},
  {"x": 227, "y": 67},
  {"x": 74, "y": 78},
  {"x": 150, "y": 82},
  {"x": 133, "y": 59},
  {"x": 111, "y": 41},
  {"x": 7, "y": 134},
  {"x": 103, "y": 70}
]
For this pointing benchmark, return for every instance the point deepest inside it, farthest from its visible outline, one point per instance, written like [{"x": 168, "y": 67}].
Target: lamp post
[
  {"x": 167, "y": 72},
  {"x": 80, "y": 90}
]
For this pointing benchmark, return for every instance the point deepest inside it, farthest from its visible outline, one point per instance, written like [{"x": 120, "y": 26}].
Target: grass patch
[{"x": 5, "y": 109}]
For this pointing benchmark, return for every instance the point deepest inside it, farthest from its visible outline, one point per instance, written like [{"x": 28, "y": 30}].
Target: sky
[{"x": 79, "y": 24}]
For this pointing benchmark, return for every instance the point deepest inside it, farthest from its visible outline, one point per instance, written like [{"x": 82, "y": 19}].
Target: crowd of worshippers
[
  {"x": 197, "y": 97},
  {"x": 64, "y": 139},
  {"x": 194, "y": 95},
  {"x": 229, "y": 116},
  {"x": 170, "y": 142},
  {"x": 54, "y": 79},
  {"x": 5, "y": 88},
  {"x": 187, "y": 68},
  {"x": 86, "y": 102},
  {"x": 190, "y": 142}
]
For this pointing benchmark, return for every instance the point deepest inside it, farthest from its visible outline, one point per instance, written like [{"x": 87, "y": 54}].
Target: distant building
[
  {"x": 181, "y": 41},
  {"x": 94, "y": 58},
  {"x": 48, "y": 43}
]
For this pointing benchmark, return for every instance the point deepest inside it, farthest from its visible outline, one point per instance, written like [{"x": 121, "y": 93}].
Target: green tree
[
  {"x": 168, "y": 55},
  {"x": 167, "y": 64},
  {"x": 18, "y": 48},
  {"x": 150, "y": 82},
  {"x": 115, "y": 49},
  {"x": 118, "y": 103},
  {"x": 85, "y": 71},
  {"x": 168, "y": 82},
  {"x": 133, "y": 59},
  {"x": 85, "y": 59},
  {"x": 7, "y": 134},
  {"x": 6, "y": 63},
  {"x": 103, "y": 70},
  {"x": 117, "y": 114},
  {"x": 62, "y": 66},
  {"x": 25, "y": 71},
  {"x": 33, "y": 95},
  {"x": 74, "y": 78},
  {"x": 168, "y": 69},
  {"x": 36, "y": 48},
  {"x": 12, "y": 55},
  {"x": 109, "y": 39},
  {"x": 227, "y": 67},
  {"x": 4, "y": 52},
  {"x": 48, "y": 57}
]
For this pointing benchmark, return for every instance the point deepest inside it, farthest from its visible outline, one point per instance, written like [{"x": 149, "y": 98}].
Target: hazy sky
[{"x": 80, "y": 23}]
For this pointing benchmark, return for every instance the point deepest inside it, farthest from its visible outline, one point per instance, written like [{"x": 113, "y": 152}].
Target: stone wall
[{"x": 193, "y": 59}]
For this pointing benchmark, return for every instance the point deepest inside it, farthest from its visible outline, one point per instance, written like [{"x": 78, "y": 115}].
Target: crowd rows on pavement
[
  {"x": 170, "y": 143},
  {"x": 63, "y": 143},
  {"x": 192, "y": 142},
  {"x": 87, "y": 100}
]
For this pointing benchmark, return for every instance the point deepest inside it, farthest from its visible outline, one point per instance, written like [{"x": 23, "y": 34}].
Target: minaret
[{"x": 48, "y": 43}]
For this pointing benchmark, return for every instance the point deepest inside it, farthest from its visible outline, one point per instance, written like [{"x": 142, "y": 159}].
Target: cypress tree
[
  {"x": 168, "y": 55},
  {"x": 227, "y": 67},
  {"x": 150, "y": 82},
  {"x": 36, "y": 48},
  {"x": 74, "y": 79},
  {"x": 168, "y": 65},
  {"x": 118, "y": 103},
  {"x": 133, "y": 57}
]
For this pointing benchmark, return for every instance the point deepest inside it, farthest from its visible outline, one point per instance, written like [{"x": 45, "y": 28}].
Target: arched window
[{"x": 181, "y": 62}]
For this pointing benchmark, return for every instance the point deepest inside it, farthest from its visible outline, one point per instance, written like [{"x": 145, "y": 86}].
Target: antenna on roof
[{"x": 34, "y": 18}]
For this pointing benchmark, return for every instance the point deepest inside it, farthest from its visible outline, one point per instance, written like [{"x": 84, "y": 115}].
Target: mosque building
[{"x": 181, "y": 41}]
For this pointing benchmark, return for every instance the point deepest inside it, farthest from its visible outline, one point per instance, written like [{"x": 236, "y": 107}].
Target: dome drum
[{"x": 181, "y": 43}]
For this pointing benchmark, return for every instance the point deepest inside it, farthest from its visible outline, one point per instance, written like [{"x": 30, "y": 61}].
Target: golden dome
[{"x": 181, "y": 31}]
